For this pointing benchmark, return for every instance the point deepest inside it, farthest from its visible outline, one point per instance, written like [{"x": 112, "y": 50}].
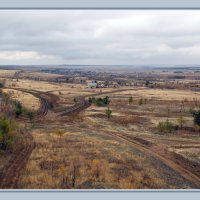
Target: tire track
[
  {"x": 82, "y": 103},
  {"x": 156, "y": 154},
  {"x": 10, "y": 173},
  {"x": 46, "y": 101}
]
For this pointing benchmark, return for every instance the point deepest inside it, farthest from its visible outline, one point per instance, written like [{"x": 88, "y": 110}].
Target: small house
[{"x": 92, "y": 85}]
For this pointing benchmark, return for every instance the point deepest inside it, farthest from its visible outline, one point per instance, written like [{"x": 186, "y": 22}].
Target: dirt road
[
  {"x": 147, "y": 149},
  {"x": 47, "y": 100},
  {"x": 9, "y": 174}
]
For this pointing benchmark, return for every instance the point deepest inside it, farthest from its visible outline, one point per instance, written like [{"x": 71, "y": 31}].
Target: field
[
  {"x": 29, "y": 101},
  {"x": 7, "y": 73},
  {"x": 78, "y": 146}
]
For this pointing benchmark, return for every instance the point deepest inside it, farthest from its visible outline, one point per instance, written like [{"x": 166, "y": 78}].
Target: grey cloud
[{"x": 101, "y": 37}]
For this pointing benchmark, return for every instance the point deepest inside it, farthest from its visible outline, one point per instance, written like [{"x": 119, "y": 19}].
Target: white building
[{"x": 92, "y": 85}]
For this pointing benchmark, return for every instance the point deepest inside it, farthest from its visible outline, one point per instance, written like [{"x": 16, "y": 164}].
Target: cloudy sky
[{"x": 99, "y": 37}]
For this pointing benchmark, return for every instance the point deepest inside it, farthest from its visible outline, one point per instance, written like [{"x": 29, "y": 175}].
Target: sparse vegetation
[
  {"x": 7, "y": 133},
  {"x": 59, "y": 132},
  {"x": 75, "y": 100},
  {"x": 181, "y": 121},
  {"x": 75, "y": 171},
  {"x": 100, "y": 101},
  {"x": 196, "y": 116},
  {"x": 166, "y": 127},
  {"x": 18, "y": 110},
  {"x": 30, "y": 115},
  {"x": 108, "y": 113},
  {"x": 5, "y": 97},
  {"x": 147, "y": 83},
  {"x": 168, "y": 111},
  {"x": 130, "y": 100},
  {"x": 1, "y": 85},
  {"x": 92, "y": 148},
  {"x": 141, "y": 101}
]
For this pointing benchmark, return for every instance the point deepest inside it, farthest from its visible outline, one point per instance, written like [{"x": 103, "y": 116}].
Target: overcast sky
[{"x": 99, "y": 37}]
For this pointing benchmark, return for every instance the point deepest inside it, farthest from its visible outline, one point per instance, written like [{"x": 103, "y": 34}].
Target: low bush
[
  {"x": 166, "y": 127},
  {"x": 99, "y": 101},
  {"x": 1, "y": 85},
  {"x": 141, "y": 101},
  {"x": 196, "y": 116},
  {"x": 108, "y": 112},
  {"x": 18, "y": 110},
  {"x": 7, "y": 133}
]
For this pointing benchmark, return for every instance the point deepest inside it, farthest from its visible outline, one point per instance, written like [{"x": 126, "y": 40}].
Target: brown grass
[
  {"x": 27, "y": 100},
  {"x": 98, "y": 163}
]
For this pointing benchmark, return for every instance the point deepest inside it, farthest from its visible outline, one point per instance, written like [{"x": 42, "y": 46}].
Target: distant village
[{"x": 167, "y": 79}]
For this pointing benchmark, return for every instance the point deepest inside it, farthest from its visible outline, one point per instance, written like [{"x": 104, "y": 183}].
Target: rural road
[
  {"x": 10, "y": 173},
  {"x": 156, "y": 154},
  {"x": 46, "y": 100}
]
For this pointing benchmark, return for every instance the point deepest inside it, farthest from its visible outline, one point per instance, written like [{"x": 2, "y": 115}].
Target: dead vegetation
[
  {"x": 78, "y": 151},
  {"x": 80, "y": 160}
]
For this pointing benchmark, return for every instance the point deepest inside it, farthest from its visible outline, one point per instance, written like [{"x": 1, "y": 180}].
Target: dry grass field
[
  {"x": 38, "y": 75},
  {"x": 188, "y": 152},
  {"x": 88, "y": 150},
  {"x": 161, "y": 94},
  {"x": 29, "y": 101},
  {"x": 7, "y": 73},
  {"x": 100, "y": 99},
  {"x": 101, "y": 163}
]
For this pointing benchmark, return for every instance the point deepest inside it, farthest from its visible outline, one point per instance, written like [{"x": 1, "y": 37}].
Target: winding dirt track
[
  {"x": 46, "y": 100},
  {"x": 10, "y": 173},
  {"x": 144, "y": 148},
  {"x": 159, "y": 155},
  {"x": 82, "y": 103}
]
